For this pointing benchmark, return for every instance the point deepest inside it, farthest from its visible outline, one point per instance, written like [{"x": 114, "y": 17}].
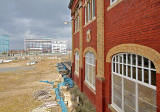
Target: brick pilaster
[{"x": 100, "y": 38}]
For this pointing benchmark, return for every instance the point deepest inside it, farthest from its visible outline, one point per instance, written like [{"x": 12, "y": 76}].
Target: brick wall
[
  {"x": 93, "y": 42},
  {"x": 76, "y": 40},
  {"x": 131, "y": 21}
]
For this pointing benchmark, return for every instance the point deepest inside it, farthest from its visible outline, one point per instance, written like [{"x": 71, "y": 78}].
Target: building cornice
[{"x": 70, "y": 4}]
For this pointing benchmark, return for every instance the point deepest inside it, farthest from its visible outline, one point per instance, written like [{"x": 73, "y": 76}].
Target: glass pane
[
  {"x": 85, "y": 15},
  {"x": 120, "y": 68},
  {"x": 86, "y": 72},
  {"x": 129, "y": 71},
  {"x": 93, "y": 76},
  {"x": 116, "y": 58},
  {"x": 146, "y": 76},
  {"x": 134, "y": 59},
  {"x": 129, "y": 59},
  {"x": 145, "y": 107},
  {"x": 129, "y": 96},
  {"x": 116, "y": 68},
  {"x": 124, "y": 58},
  {"x": 88, "y": 11},
  {"x": 124, "y": 70},
  {"x": 152, "y": 65},
  {"x": 145, "y": 62},
  {"x": 139, "y": 60},
  {"x": 146, "y": 99},
  {"x": 93, "y": 8},
  {"x": 127, "y": 108},
  {"x": 139, "y": 74},
  {"x": 120, "y": 59},
  {"x": 153, "y": 78},
  {"x": 76, "y": 65},
  {"x": 134, "y": 72},
  {"x": 90, "y": 74},
  {"x": 117, "y": 91},
  {"x": 113, "y": 67}
]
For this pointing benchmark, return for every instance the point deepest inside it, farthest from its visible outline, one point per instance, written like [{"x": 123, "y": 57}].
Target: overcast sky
[{"x": 20, "y": 18}]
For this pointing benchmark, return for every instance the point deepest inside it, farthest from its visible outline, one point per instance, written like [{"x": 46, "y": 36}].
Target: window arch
[
  {"x": 133, "y": 83},
  {"x": 77, "y": 63},
  {"x": 90, "y": 69}
]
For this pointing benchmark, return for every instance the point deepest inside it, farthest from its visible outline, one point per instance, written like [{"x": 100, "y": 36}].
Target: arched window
[
  {"x": 77, "y": 63},
  {"x": 90, "y": 69},
  {"x": 133, "y": 83}
]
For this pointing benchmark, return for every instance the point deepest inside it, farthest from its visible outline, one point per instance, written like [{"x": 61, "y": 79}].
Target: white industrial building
[
  {"x": 45, "y": 45},
  {"x": 59, "y": 47},
  {"x": 38, "y": 45}
]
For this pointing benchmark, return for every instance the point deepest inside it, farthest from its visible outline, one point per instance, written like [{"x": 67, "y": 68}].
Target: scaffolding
[
  {"x": 4, "y": 44},
  {"x": 38, "y": 45}
]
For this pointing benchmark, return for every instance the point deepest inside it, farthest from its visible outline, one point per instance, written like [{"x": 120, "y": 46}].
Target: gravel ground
[{"x": 17, "y": 86}]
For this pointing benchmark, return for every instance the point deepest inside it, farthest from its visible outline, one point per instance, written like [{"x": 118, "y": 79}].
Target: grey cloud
[{"x": 39, "y": 17}]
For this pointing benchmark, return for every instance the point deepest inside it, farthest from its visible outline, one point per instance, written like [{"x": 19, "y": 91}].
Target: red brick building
[{"x": 116, "y": 53}]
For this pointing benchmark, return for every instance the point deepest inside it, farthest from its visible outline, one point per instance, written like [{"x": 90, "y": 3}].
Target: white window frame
[
  {"x": 86, "y": 15},
  {"x": 90, "y": 61},
  {"x": 89, "y": 10},
  {"x": 112, "y": 2},
  {"x": 114, "y": 69},
  {"x": 93, "y": 9},
  {"x": 77, "y": 63},
  {"x": 77, "y": 23}
]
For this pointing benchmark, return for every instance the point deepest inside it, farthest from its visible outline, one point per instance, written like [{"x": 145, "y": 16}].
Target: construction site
[{"x": 40, "y": 84}]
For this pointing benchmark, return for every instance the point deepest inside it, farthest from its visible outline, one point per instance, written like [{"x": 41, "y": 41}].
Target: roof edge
[{"x": 70, "y": 4}]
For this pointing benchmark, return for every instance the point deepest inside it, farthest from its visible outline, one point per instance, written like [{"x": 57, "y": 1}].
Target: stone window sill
[
  {"x": 76, "y": 32},
  {"x": 114, "y": 4},
  {"x": 94, "y": 18},
  {"x": 93, "y": 90},
  {"x": 76, "y": 73},
  {"x": 112, "y": 109}
]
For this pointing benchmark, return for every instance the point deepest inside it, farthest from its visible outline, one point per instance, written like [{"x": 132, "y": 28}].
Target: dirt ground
[{"x": 17, "y": 87}]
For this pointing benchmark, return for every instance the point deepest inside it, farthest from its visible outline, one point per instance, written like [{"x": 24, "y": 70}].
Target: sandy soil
[
  {"x": 17, "y": 87},
  {"x": 13, "y": 64}
]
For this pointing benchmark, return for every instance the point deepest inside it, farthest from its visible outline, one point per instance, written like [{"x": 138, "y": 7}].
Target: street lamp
[{"x": 67, "y": 22}]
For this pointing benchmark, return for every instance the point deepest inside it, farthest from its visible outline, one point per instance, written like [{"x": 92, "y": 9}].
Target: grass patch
[{"x": 84, "y": 105}]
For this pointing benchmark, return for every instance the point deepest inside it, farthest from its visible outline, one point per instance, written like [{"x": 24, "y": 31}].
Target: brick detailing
[
  {"x": 158, "y": 91},
  {"x": 81, "y": 79},
  {"x": 145, "y": 51},
  {"x": 90, "y": 49},
  {"x": 100, "y": 38},
  {"x": 76, "y": 50},
  {"x": 81, "y": 37},
  {"x": 99, "y": 95},
  {"x": 73, "y": 70},
  {"x": 90, "y": 94},
  {"x": 107, "y": 86},
  {"x": 72, "y": 41}
]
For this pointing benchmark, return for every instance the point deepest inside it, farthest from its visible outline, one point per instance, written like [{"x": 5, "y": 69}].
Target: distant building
[
  {"x": 4, "y": 43},
  {"x": 59, "y": 47},
  {"x": 38, "y": 45},
  {"x": 44, "y": 45}
]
